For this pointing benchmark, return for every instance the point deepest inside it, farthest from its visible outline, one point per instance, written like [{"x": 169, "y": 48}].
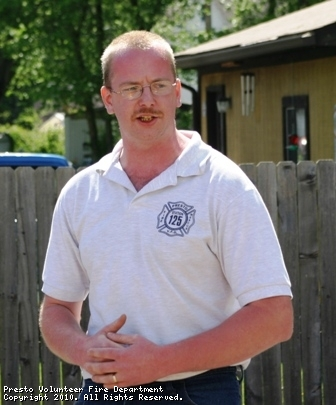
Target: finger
[
  {"x": 116, "y": 325},
  {"x": 100, "y": 369},
  {"x": 121, "y": 338},
  {"x": 108, "y": 353},
  {"x": 110, "y": 380},
  {"x": 114, "y": 383}
]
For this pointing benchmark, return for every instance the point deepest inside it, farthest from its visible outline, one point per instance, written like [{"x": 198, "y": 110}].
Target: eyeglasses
[{"x": 159, "y": 88}]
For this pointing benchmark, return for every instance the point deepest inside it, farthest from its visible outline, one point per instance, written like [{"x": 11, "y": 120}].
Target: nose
[{"x": 146, "y": 97}]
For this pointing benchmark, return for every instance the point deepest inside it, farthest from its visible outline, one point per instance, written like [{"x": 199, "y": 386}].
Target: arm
[
  {"x": 60, "y": 327},
  {"x": 252, "y": 330}
]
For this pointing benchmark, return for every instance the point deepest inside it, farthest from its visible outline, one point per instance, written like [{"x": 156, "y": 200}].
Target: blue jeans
[{"x": 215, "y": 387}]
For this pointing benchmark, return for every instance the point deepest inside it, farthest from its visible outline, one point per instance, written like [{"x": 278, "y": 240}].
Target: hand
[
  {"x": 101, "y": 340},
  {"x": 134, "y": 361}
]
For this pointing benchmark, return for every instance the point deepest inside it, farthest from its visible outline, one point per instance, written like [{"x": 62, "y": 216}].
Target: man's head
[
  {"x": 142, "y": 40},
  {"x": 140, "y": 86}
]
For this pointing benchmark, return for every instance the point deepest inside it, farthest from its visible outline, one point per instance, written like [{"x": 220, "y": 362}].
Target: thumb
[
  {"x": 115, "y": 325},
  {"x": 122, "y": 339}
]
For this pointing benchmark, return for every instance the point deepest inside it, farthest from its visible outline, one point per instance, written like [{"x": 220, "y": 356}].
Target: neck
[{"x": 143, "y": 164}]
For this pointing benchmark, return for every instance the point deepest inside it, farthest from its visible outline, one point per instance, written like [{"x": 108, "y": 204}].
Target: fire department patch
[{"x": 176, "y": 218}]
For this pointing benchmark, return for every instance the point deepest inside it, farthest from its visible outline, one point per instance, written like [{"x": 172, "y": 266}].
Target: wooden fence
[{"x": 301, "y": 200}]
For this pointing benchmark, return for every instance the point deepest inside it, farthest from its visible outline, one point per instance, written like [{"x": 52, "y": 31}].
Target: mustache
[{"x": 147, "y": 111}]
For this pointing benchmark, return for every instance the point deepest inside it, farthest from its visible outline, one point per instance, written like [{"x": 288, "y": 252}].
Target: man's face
[{"x": 148, "y": 117}]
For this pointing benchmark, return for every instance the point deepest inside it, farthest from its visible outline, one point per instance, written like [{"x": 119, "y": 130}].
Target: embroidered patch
[{"x": 176, "y": 218}]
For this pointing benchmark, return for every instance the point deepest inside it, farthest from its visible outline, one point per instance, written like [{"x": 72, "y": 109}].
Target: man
[{"x": 172, "y": 243}]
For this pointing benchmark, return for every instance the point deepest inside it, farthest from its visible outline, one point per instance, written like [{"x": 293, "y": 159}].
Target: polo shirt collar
[{"x": 191, "y": 162}]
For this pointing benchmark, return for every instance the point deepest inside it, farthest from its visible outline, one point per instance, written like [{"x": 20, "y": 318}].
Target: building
[{"x": 268, "y": 93}]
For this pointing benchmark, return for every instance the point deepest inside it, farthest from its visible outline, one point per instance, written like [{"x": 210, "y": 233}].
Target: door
[
  {"x": 216, "y": 122},
  {"x": 296, "y": 128}
]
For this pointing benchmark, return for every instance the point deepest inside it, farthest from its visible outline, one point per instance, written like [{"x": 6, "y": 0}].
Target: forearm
[
  {"x": 62, "y": 333},
  {"x": 252, "y": 330}
]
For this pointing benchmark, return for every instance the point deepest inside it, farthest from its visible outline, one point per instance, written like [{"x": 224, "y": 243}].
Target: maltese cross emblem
[{"x": 176, "y": 219}]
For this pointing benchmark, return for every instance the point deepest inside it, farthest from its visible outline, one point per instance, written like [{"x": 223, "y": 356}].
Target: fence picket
[
  {"x": 46, "y": 196},
  {"x": 288, "y": 233},
  {"x": 9, "y": 326},
  {"x": 326, "y": 171},
  {"x": 27, "y": 277},
  {"x": 301, "y": 200},
  {"x": 310, "y": 308},
  {"x": 271, "y": 359},
  {"x": 254, "y": 375}
]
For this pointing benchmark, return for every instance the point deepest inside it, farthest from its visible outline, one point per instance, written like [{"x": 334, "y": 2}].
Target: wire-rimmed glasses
[{"x": 134, "y": 91}]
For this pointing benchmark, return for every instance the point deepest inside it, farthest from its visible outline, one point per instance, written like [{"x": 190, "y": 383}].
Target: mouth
[{"x": 146, "y": 118}]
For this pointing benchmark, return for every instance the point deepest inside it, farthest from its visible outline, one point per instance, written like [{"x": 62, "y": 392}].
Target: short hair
[{"x": 135, "y": 40}]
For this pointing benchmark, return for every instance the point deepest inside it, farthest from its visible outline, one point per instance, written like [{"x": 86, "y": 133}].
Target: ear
[
  {"x": 178, "y": 91},
  {"x": 106, "y": 96}
]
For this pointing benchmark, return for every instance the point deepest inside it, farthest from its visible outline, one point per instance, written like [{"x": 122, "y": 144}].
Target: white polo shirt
[{"x": 177, "y": 257}]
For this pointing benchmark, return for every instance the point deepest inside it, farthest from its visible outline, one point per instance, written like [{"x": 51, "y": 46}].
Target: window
[{"x": 296, "y": 128}]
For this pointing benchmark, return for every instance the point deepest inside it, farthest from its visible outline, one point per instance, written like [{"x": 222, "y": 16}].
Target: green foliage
[
  {"x": 34, "y": 140},
  {"x": 247, "y": 13},
  {"x": 53, "y": 142},
  {"x": 177, "y": 25},
  {"x": 184, "y": 118},
  {"x": 28, "y": 119},
  {"x": 58, "y": 45}
]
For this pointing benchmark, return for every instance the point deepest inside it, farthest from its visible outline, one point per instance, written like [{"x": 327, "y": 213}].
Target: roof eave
[{"x": 194, "y": 61}]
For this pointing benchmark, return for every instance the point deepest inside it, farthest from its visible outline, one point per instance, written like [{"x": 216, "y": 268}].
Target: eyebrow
[
  {"x": 138, "y": 83},
  {"x": 129, "y": 84}
]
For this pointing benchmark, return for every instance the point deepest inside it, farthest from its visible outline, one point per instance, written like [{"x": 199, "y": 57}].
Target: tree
[
  {"x": 56, "y": 46},
  {"x": 251, "y": 12},
  {"x": 7, "y": 65},
  {"x": 51, "y": 50}
]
